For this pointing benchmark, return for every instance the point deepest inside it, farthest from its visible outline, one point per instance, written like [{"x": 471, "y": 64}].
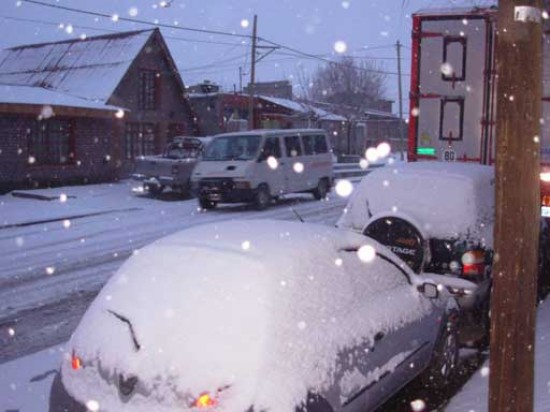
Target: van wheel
[
  {"x": 314, "y": 403},
  {"x": 262, "y": 198},
  {"x": 321, "y": 191},
  {"x": 204, "y": 203}
]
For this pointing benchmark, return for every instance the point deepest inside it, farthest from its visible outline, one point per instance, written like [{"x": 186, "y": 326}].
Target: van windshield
[{"x": 233, "y": 147}]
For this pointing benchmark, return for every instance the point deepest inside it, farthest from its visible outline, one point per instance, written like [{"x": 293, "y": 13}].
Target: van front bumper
[{"x": 222, "y": 190}]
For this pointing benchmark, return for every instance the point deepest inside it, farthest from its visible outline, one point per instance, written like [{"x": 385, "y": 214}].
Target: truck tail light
[{"x": 473, "y": 263}]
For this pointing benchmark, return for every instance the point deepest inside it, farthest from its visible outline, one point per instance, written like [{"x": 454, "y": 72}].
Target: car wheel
[
  {"x": 262, "y": 198},
  {"x": 321, "y": 191},
  {"x": 444, "y": 360},
  {"x": 204, "y": 203},
  {"x": 60, "y": 400},
  {"x": 314, "y": 403},
  {"x": 154, "y": 189}
]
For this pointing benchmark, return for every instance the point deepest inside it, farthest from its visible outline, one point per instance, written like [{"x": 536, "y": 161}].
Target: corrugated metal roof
[{"x": 90, "y": 69}]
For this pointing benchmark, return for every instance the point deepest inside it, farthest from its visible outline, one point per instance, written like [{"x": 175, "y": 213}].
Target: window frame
[
  {"x": 148, "y": 90},
  {"x": 444, "y": 102},
  {"x": 136, "y": 142},
  {"x": 51, "y": 145},
  {"x": 448, "y": 40}
]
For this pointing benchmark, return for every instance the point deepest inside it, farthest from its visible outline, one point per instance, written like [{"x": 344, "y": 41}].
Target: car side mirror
[{"x": 429, "y": 290}]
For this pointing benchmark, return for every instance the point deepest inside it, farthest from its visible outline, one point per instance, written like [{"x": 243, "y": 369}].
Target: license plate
[
  {"x": 214, "y": 196},
  {"x": 545, "y": 211}
]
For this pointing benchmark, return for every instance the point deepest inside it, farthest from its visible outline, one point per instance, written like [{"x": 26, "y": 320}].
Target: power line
[
  {"x": 51, "y": 23},
  {"x": 126, "y": 19}
]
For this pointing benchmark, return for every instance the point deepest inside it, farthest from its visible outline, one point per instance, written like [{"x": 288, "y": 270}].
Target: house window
[
  {"x": 454, "y": 59},
  {"x": 51, "y": 141},
  {"x": 139, "y": 139},
  {"x": 148, "y": 90},
  {"x": 451, "y": 121}
]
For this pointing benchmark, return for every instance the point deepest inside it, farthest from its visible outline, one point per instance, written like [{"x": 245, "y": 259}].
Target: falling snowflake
[
  {"x": 93, "y": 406},
  {"x": 46, "y": 112},
  {"x": 66, "y": 223},
  {"x": 371, "y": 154},
  {"x": 133, "y": 11},
  {"x": 485, "y": 371},
  {"x": 50, "y": 270},
  {"x": 364, "y": 164},
  {"x": 338, "y": 262},
  {"x": 31, "y": 160},
  {"x": 383, "y": 150},
  {"x": 418, "y": 405},
  {"x": 344, "y": 188},
  {"x": 115, "y": 17},
  {"x": 119, "y": 114},
  {"x": 62, "y": 197},
  {"x": 272, "y": 162},
  {"x": 19, "y": 241},
  {"x": 415, "y": 112},
  {"x": 366, "y": 253},
  {"x": 340, "y": 46},
  {"x": 245, "y": 245},
  {"x": 298, "y": 167},
  {"x": 345, "y": 4},
  {"x": 245, "y": 23},
  {"x": 301, "y": 325},
  {"x": 447, "y": 69},
  {"x": 11, "y": 332},
  {"x": 69, "y": 29}
]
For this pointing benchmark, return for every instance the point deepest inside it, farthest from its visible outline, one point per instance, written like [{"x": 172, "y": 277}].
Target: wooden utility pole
[
  {"x": 252, "y": 76},
  {"x": 519, "y": 106},
  {"x": 402, "y": 147}
]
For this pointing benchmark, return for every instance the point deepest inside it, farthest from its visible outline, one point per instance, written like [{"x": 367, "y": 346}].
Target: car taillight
[
  {"x": 204, "y": 401},
  {"x": 76, "y": 362},
  {"x": 473, "y": 263}
]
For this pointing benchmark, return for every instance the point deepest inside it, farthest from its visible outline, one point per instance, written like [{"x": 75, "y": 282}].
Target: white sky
[{"x": 369, "y": 28}]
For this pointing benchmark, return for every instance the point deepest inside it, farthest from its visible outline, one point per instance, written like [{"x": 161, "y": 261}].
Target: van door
[
  {"x": 294, "y": 164},
  {"x": 270, "y": 166}
]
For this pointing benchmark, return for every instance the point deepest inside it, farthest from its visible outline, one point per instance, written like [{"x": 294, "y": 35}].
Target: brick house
[{"x": 81, "y": 110}]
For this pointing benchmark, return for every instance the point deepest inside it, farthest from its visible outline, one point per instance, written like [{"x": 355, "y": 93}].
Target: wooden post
[
  {"x": 251, "y": 124},
  {"x": 519, "y": 108}
]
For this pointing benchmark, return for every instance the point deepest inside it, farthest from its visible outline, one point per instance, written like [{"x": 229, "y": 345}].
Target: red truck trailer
[{"x": 453, "y": 90}]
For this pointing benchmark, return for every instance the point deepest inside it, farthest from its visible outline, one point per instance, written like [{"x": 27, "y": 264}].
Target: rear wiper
[{"x": 137, "y": 346}]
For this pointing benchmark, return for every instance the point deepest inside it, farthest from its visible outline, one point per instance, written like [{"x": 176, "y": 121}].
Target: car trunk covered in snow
[
  {"x": 255, "y": 313},
  {"x": 441, "y": 199}
]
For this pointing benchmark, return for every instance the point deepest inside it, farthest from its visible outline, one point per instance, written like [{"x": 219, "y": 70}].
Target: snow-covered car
[
  {"x": 258, "y": 316},
  {"x": 439, "y": 218}
]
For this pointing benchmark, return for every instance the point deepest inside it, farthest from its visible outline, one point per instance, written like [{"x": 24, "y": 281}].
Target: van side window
[
  {"x": 293, "y": 147},
  {"x": 309, "y": 144},
  {"x": 271, "y": 148},
  {"x": 321, "y": 144}
]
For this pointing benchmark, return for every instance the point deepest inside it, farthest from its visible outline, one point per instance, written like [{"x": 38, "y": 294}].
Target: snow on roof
[
  {"x": 91, "y": 68},
  {"x": 303, "y": 108},
  {"x": 457, "y": 12},
  {"x": 40, "y": 96},
  {"x": 259, "y": 307},
  {"x": 444, "y": 200}
]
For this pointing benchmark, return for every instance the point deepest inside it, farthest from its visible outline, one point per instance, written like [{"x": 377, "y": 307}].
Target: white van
[{"x": 259, "y": 165}]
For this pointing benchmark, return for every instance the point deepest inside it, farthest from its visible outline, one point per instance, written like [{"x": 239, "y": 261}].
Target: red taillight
[
  {"x": 76, "y": 362},
  {"x": 205, "y": 401},
  {"x": 473, "y": 263}
]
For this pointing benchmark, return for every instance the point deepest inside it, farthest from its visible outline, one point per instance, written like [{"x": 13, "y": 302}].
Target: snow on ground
[
  {"x": 25, "y": 382},
  {"x": 474, "y": 395}
]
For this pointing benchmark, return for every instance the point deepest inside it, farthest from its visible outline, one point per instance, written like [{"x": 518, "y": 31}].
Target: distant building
[
  {"x": 281, "y": 89},
  {"x": 81, "y": 110}
]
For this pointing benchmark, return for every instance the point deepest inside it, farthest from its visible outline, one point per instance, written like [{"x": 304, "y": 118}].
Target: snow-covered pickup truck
[{"x": 170, "y": 169}]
